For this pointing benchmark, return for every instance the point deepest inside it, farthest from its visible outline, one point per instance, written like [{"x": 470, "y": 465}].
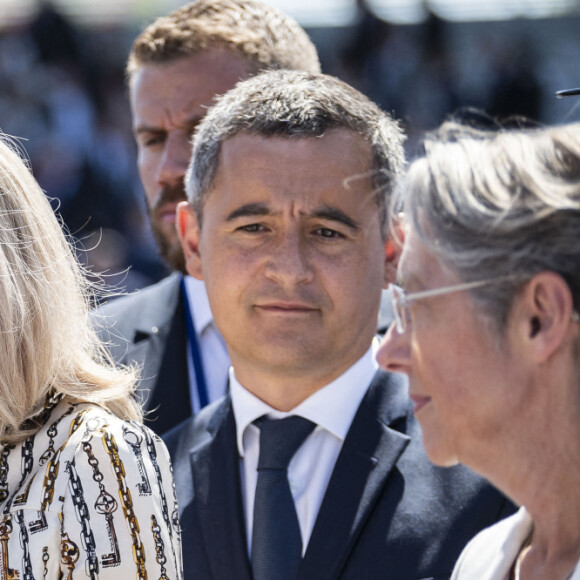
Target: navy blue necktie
[{"x": 276, "y": 539}]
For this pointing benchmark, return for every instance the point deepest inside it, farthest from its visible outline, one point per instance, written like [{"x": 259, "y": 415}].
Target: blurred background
[{"x": 63, "y": 92}]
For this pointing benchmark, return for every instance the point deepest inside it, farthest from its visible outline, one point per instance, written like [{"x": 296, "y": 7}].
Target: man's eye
[
  {"x": 328, "y": 233},
  {"x": 151, "y": 140},
  {"x": 252, "y": 228}
]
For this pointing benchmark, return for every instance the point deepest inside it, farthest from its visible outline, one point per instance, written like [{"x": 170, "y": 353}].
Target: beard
[{"x": 165, "y": 234}]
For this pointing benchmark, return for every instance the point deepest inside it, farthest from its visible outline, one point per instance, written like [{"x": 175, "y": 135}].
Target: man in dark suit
[
  {"x": 176, "y": 67},
  {"x": 312, "y": 466}
]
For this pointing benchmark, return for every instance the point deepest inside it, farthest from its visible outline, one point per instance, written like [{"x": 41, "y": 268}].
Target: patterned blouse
[{"x": 88, "y": 496}]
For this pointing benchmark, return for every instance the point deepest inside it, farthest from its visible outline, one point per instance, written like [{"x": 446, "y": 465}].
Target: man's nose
[
  {"x": 174, "y": 159},
  {"x": 289, "y": 262}
]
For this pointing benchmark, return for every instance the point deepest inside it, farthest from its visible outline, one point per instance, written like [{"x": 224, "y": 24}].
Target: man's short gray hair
[
  {"x": 502, "y": 205},
  {"x": 295, "y": 104}
]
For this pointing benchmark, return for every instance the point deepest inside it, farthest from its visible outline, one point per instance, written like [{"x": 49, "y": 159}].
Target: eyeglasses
[{"x": 400, "y": 301}]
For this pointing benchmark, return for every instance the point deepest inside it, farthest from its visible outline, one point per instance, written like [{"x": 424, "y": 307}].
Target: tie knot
[{"x": 280, "y": 439}]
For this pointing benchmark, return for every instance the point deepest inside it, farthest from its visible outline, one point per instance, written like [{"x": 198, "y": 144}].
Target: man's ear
[
  {"x": 545, "y": 314},
  {"x": 392, "y": 254},
  {"x": 189, "y": 234},
  {"x": 393, "y": 249}
]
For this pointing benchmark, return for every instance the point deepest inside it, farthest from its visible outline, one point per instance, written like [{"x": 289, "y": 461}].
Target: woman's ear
[
  {"x": 545, "y": 310},
  {"x": 189, "y": 234}
]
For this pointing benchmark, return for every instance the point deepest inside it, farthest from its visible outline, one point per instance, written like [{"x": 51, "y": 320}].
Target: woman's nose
[{"x": 394, "y": 352}]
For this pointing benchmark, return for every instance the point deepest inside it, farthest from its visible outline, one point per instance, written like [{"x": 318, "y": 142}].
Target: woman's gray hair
[
  {"x": 47, "y": 344},
  {"x": 499, "y": 205},
  {"x": 295, "y": 104}
]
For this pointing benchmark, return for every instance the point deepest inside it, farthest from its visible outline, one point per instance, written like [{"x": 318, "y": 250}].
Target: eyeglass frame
[
  {"x": 400, "y": 300},
  {"x": 568, "y": 93}
]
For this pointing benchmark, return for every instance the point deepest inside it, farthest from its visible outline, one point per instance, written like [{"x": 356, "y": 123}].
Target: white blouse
[
  {"x": 491, "y": 554},
  {"x": 88, "y": 496}
]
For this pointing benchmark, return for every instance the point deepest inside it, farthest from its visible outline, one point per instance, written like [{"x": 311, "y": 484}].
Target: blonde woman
[{"x": 85, "y": 490}]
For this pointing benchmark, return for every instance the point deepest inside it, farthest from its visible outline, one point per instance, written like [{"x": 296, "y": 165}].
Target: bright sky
[
  {"x": 309, "y": 12},
  {"x": 341, "y": 12}
]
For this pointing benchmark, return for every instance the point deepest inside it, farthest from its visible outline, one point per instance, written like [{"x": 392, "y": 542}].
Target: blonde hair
[{"x": 47, "y": 344}]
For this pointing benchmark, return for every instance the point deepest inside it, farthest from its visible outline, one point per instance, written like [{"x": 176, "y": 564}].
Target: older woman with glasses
[
  {"x": 487, "y": 331},
  {"x": 85, "y": 490}
]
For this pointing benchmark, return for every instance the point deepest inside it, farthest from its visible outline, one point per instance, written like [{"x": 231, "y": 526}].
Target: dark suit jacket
[
  {"x": 148, "y": 328},
  {"x": 387, "y": 512}
]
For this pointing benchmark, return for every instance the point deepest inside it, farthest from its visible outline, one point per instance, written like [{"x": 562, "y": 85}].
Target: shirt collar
[
  {"x": 199, "y": 303},
  {"x": 332, "y": 407}
]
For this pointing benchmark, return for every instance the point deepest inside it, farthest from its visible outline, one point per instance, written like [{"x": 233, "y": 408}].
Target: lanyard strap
[{"x": 195, "y": 350}]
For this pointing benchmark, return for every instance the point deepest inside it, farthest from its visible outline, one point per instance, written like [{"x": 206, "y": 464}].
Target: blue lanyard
[{"x": 195, "y": 350}]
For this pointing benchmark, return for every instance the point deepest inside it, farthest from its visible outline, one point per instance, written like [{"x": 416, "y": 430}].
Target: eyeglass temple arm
[
  {"x": 568, "y": 93},
  {"x": 445, "y": 290}
]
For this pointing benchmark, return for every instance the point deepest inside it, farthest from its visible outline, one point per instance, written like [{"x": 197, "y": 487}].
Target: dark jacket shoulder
[
  {"x": 183, "y": 438},
  {"x": 150, "y": 305}
]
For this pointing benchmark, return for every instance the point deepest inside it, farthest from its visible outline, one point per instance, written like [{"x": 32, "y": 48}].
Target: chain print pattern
[
  {"x": 6, "y": 573},
  {"x": 105, "y": 505},
  {"x": 133, "y": 439},
  {"x": 174, "y": 521},
  {"x": 27, "y": 572},
  {"x": 153, "y": 457},
  {"x": 159, "y": 548},
  {"x": 48, "y": 492},
  {"x": 45, "y": 559},
  {"x": 74, "y": 498},
  {"x": 69, "y": 554},
  {"x": 52, "y": 433},
  {"x": 53, "y": 459},
  {"x": 83, "y": 516},
  {"x": 127, "y": 504},
  {"x": 50, "y": 475},
  {"x": 4, "y": 471},
  {"x": 77, "y": 422},
  {"x": 26, "y": 469}
]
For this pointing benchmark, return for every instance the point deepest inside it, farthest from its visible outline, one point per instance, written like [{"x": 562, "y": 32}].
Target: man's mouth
[
  {"x": 166, "y": 213},
  {"x": 283, "y": 307}
]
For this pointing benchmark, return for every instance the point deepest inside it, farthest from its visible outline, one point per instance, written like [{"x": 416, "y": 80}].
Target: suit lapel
[
  {"x": 369, "y": 453},
  {"x": 217, "y": 498},
  {"x": 157, "y": 322},
  {"x": 159, "y": 347},
  {"x": 170, "y": 399}
]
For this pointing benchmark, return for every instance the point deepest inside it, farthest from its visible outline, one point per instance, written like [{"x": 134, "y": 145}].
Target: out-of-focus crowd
[{"x": 63, "y": 92}]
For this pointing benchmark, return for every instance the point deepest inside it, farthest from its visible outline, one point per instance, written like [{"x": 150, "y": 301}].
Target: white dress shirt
[
  {"x": 214, "y": 354},
  {"x": 332, "y": 409}
]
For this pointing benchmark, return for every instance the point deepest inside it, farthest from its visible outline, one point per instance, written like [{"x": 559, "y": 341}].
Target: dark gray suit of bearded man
[{"x": 148, "y": 328}]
